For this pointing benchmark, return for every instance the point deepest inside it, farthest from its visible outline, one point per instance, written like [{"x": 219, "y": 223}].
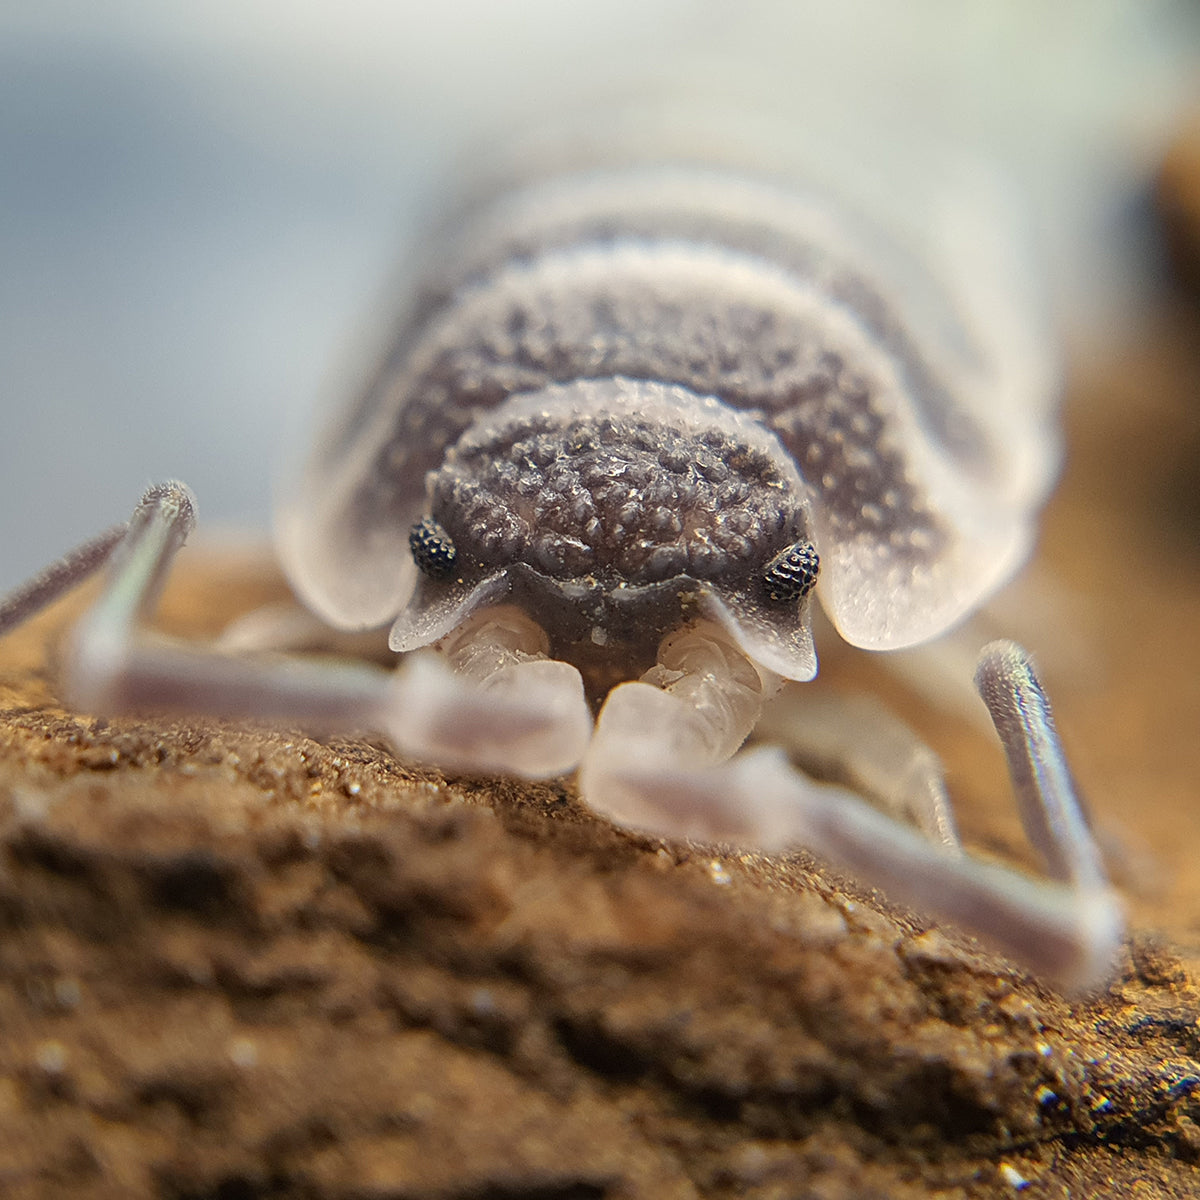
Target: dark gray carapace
[{"x": 624, "y": 396}]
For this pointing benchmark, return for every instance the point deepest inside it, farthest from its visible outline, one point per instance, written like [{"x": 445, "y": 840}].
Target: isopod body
[
  {"x": 630, "y": 422},
  {"x": 622, "y": 395}
]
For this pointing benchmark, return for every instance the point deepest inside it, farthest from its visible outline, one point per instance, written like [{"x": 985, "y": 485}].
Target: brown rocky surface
[{"x": 242, "y": 963}]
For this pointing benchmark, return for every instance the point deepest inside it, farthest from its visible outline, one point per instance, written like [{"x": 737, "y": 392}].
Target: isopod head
[{"x": 614, "y": 511}]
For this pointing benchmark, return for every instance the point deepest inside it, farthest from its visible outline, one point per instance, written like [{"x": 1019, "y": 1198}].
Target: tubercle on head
[
  {"x": 615, "y": 511},
  {"x": 790, "y": 576}
]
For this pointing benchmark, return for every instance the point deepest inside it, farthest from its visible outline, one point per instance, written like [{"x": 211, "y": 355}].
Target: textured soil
[{"x": 242, "y": 962}]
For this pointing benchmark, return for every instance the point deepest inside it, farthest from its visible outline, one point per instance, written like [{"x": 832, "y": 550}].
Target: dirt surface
[{"x": 240, "y": 963}]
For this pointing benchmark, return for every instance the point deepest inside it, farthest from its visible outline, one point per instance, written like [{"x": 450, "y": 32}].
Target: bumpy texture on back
[{"x": 920, "y": 474}]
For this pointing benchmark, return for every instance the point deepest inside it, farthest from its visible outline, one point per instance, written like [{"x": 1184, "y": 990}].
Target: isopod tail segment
[{"x": 663, "y": 758}]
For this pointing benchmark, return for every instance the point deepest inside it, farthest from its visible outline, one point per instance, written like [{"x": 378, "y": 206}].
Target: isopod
[{"x": 635, "y": 420}]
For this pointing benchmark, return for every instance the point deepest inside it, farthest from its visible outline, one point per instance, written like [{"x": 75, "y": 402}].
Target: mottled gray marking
[
  {"x": 920, "y": 495},
  {"x": 706, "y": 210},
  {"x": 617, "y": 498},
  {"x": 675, "y": 315},
  {"x": 618, "y": 510}
]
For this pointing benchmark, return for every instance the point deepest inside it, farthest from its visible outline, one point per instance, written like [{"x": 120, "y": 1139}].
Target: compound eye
[
  {"x": 433, "y": 549},
  {"x": 792, "y": 573}
]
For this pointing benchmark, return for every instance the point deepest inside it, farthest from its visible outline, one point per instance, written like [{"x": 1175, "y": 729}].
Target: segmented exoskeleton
[{"x": 632, "y": 420}]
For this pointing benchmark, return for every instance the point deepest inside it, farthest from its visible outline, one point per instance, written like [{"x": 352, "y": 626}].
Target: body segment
[{"x": 732, "y": 294}]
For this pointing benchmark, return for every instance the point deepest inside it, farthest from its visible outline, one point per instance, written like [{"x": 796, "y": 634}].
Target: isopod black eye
[
  {"x": 432, "y": 548},
  {"x": 792, "y": 573}
]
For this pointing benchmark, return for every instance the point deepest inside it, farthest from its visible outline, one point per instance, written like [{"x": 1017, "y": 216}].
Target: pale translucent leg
[
  {"x": 427, "y": 710},
  {"x": 282, "y": 627},
  {"x": 58, "y": 578},
  {"x": 655, "y": 765},
  {"x": 502, "y": 656},
  {"x": 1051, "y": 812},
  {"x": 856, "y": 741},
  {"x": 287, "y": 627},
  {"x": 692, "y": 711}
]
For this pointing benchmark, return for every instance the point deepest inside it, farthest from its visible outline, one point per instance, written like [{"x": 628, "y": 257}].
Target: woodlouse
[{"x": 629, "y": 418}]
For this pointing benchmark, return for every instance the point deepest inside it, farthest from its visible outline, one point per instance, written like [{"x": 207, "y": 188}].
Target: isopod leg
[
  {"x": 1053, "y": 817},
  {"x": 58, "y": 578},
  {"x": 856, "y": 741},
  {"x": 499, "y": 660},
  {"x": 1067, "y": 932},
  {"x": 283, "y": 627},
  {"x": 691, "y": 711},
  {"x": 423, "y": 707}
]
